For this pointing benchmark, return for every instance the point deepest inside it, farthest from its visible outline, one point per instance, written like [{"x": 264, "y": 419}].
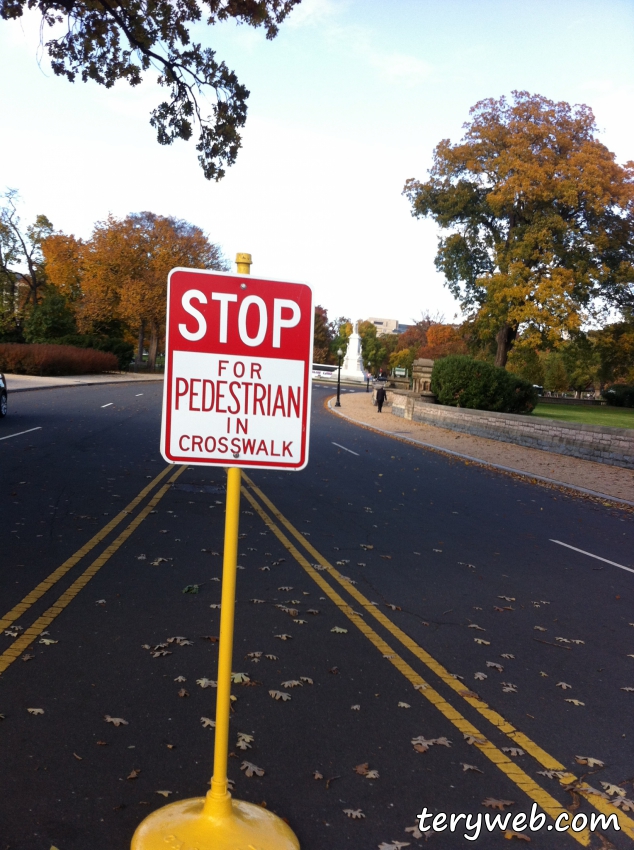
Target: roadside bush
[
  {"x": 619, "y": 395},
  {"x": 122, "y": 350},
  {"x": 460, "y": 381},
  {"x": 41, "y": 359}
]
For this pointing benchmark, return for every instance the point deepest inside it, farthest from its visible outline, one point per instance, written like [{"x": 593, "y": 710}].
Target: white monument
[{"x": 352, "y": 366}]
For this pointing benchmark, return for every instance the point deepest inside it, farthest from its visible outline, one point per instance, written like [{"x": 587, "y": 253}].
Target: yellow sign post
[{"x": 217, "y": 821}]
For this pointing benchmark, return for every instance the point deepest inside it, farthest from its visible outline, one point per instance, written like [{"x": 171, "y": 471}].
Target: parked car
[{"x": 3, "y": 396}]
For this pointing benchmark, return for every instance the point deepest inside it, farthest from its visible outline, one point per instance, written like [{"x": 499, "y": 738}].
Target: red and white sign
[{"x": 238, "y": 352}]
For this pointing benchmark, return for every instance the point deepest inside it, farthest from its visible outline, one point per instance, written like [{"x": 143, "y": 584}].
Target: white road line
[
  {"x": 39, "y": 428},
  {"x": 590, "y": 555},
  {"x": 345, "y": 449},
  {"x": 110, "y": 403}
]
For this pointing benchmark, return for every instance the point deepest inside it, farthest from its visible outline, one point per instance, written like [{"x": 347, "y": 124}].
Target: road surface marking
[
  {"x": 590, "y": 555},
  {"x": 138, "y": 394},
  {"x": 521, "y": 779},
  {"x": 110, "y": 403},
  {"x": 19, "y": 434},
  {"x": 345, "y": 449},
  {"x": 47, "y": 583},
  {"x": 540, "y": 755},
  {"x": 29, "y": 635}
]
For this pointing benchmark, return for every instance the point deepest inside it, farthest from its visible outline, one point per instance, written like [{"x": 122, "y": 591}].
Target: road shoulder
[
  {"x": 587, "y": 477},
  {"x": 25, "y": 383}
]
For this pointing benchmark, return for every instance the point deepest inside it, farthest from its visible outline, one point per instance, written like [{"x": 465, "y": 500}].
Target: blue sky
[{"x": 346, "y": 104}]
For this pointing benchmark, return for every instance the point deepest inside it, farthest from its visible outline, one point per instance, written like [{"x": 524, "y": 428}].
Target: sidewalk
[
  {"x": 22, "y": 383},
  {"x": 593, "y": 478}
]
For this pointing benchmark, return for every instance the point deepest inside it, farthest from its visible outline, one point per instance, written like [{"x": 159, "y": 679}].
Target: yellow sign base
[{"x": 204, "y": 824}]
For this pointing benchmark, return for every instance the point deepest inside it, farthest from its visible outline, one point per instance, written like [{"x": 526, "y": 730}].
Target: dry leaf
[
  {"x": 623, "y": 803},
  {"x": 133, "y": 774},
  {"x": 207, "y": 722},
  {"x": 338, "y": 630},
  {"x": 206, "y": 683},
  {"x": 473, "y": 626},
  {"x": 239, "y": 678},
  {"x": 575, "y": 701},
  {"x": 164, "y": 793},
  {"x": 510, "y": 834},
  {"x": 563, "y": 685},
  {"x": 393, "y": 607},
  {"x": 361, "y": 769},
  {"x": 507, "y": 655},
  {"x": 317, "y": 775},
  {"x": 513, "y": 751},
  {"x": 492, "y": 803},
  {"x": 466, "y": 767},
  {"x": 306, "y": 679},
  {"x": 471, "y": 739},
  {"x": 372, "y": 774},
  {"x": 284, "y": 637},
  {"x": 273, "y": 657},
  {"x": 495, "y": 666},
  {"x": 591, "y": 762},
  {"x": 629, "y": 690},
  {"x": 482, "y": 642},
  {"x": 79, "y": 758},
  {"x": 251, "y": 769},
  {"x": 280, "y": 695},
  {"x": 244, "y": 741},
  {"x": 47, "y": 641},
  {"x": 507, "y": 598},
  {"x": 553, "y": 774},
  {"x": 292, "y": 683},
  {"x": 354, "y": 813},
  {"x": 355, "y": 708},
  {"x": 613, "y": 789},
  {"x": 480, "y": 676},
  {"x": 422, "y": 744},
  {"x": 116, "y": 721},
  {"x": 540, "y": 629},
  {"x": 183, "y": 693},
  {"x": 508, "y": 688},
  {"x": 35, "y": 710},
  {"x": 180, "y": 679},
  {"x": 404, "y": 705}
]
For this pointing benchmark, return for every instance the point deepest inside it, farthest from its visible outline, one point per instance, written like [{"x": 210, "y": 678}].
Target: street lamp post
[{"x": 338, "y": 402}]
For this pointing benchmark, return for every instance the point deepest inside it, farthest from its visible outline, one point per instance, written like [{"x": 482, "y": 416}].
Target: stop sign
[{"x": 238, "y": 352}]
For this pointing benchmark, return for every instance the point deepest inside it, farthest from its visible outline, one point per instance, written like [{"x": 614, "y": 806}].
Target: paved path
[
  {"x": 21, "y": 383},
  {"x": 595, "y": 477},
  {"x": 420, "y": 602}
]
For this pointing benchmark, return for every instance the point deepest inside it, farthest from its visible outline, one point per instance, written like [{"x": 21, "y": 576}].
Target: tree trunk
[
  {"x": 153, "y": 347},
  {"x": 139, "y": 351},
  {"x": 505, "y": 339}
]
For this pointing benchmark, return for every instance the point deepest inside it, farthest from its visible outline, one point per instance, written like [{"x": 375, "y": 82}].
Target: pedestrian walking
[{"x": 381, "y": 395}]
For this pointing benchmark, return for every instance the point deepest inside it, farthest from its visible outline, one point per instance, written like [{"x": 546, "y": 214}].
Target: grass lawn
[{"x": 612, "y": 417}]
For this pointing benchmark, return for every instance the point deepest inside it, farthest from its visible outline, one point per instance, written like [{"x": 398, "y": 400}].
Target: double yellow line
[
  {"x": 519, "y": 777},
  {"x": 29, "y": 635}
]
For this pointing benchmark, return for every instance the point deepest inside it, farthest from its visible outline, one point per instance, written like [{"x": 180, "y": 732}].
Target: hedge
[
  {"x": 122, "y": 350},
  {"x": 461, "y": 381},
  {"x": 619, "y": 395},
  {"x": 42, "y": 359}
]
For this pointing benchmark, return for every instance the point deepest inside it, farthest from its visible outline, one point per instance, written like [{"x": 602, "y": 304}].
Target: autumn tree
[
  {"x": 537, "y": 219},
  {"x": 442, "y": 340},
  {"x": 322, "y": 336},
  {"x": 21, "y": 259},
  {"x": 125, "y": 265},
  {"x": 106, "y": 42}
]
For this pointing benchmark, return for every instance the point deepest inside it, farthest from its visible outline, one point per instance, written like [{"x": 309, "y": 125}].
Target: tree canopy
[
  {"x": 106, "y": 42},
  {"x": 538, "y": 220}
]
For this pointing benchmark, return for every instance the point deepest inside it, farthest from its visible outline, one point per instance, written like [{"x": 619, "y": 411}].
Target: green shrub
[
  {"x": 460, "y": 381},
  {"x": 619, "y": 395},
  {"x": 122, "y": 350},
  {"x": 51, "y": 319},
  {"x": 41, "y": 359}
]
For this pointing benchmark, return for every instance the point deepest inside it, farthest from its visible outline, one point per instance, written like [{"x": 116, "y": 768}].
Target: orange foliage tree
[{"x": 441, "y": 341}]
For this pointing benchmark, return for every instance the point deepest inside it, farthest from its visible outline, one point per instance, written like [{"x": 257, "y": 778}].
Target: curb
[
  {"x": 83, "y": 384},
  {"x": 507, "y": 469}
]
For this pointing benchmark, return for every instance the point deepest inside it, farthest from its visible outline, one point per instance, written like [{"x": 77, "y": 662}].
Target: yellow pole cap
[{"x": 243, "y": 262}]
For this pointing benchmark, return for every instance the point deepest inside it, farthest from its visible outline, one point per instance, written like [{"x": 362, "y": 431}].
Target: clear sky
[{"x": 346, "y": 104}]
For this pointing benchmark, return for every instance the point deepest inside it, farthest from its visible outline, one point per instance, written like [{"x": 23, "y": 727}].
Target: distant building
[{"x": 387, "y": 326}]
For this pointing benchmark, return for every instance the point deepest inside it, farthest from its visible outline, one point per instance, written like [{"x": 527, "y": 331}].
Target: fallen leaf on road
[
  {"x": 133, "y": 774},
  {"x": 372, "y": 774},
  {"x": 513, "y": 751},
  {"x": 215, "y": 604},
  {"x": 306, "y": 679},
  {"x": 207, "y": 722},
  {"x": 338, "y": 630},
  {"x": 28, "y": 657},
  {"x": 317, "y": 775},
  {"x": 251, "y": 769},
  {"x": 244, "y": 741},
  {"x": 492, "y": 803},
  {"x": 466, "y": 767},
  {"x": 191, "y": 588},
  {"x": 355, "y": 708},
  {"x": 474, "y": 626},
  {"x": 257, "y": 601},
  {"x": 480, "y": 676},
  {"x": 164, "y": 793},
  {"x": 510, "y": 834},
  {"x": 361, "y": 769},
  {"x": 116, "y": 721},
  {"x": 280, "y": 695},
  {"x": 284, "y": 637},
  {"x": 183, "y": 693},
  {"x": 404, "y": 705},
  {"x": 495, "y": 666},
  {"x": 623, "y": 803},
  {"x": 47, "y": 641},
  {"x": 35, "y": 710},
  {"x": 239, "y": 678},
  {"x": 563, "y": 685},
  {"x": 180, "y": 679},
  {"x": 471, "y": 739},
  {"x": 613, "y": 789},
  {"x": 206, "y": 683},
  {"x": 507, "y": 598},
  {"x": 591, "y": 762},
  {"x": 575, "y": 701},
  {"x": 422, "y": 744},
  {"x": 292, "y": 683},
  {"x": 354, "y": 813},
  {"x": 508, "y": 688},
  {"x": 482, "y": 642},
  {"x": 273, "y": 657},
  {"x": 553, "y": 774},
  {"x": 629, "y": 690},
  {"x": 507, "y": 655},
  {"x": 540, "y": 629},
  {"x": 393, "y": 607}
]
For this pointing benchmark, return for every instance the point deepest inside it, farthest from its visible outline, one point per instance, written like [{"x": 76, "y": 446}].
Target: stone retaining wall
[{"x": 614, "y": 446}]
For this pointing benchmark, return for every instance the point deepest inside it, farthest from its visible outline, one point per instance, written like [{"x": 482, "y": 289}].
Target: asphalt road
[{"x": 430, "y": 570}]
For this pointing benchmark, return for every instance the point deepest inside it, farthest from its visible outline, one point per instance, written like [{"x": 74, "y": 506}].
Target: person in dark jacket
[{"x": 381, "y": 395}]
